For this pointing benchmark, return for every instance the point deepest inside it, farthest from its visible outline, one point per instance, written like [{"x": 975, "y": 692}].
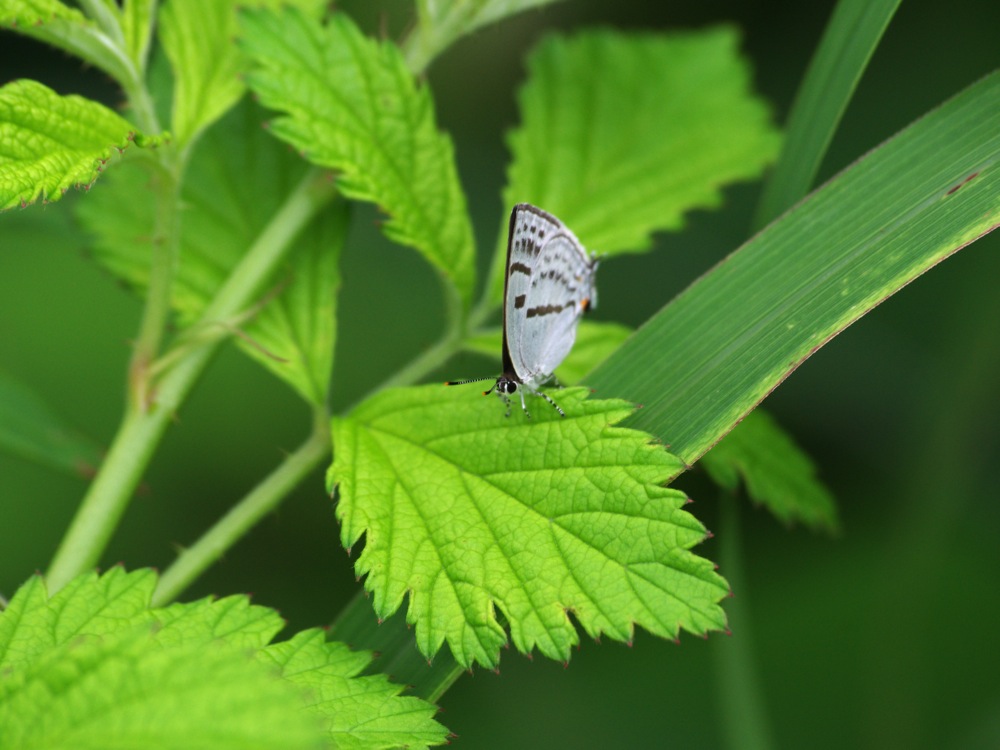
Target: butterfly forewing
[{"x": 550, "y": 283}]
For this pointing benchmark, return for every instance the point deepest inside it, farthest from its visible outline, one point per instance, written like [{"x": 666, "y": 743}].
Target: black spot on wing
[{"x": 519, "y": 301}]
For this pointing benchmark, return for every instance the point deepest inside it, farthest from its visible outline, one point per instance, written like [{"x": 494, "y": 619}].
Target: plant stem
[
  {"x": 142, "y": 427},
  {"x": 156, "y": 312},
  {"x": 245, "y": 514},
  {"x": 744, "y": 717}
]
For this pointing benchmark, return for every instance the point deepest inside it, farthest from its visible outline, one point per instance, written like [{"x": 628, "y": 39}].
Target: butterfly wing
[{"x": 549, "y": 285}]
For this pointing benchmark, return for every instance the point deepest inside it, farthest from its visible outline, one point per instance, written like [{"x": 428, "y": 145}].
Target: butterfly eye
[{"x": 509, "y": 386}]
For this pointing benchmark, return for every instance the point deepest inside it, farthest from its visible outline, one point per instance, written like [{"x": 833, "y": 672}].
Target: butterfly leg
[
  {"x": 554, "y": 404},
  {"x": 506, "y": 402},
  {"x": 524, "y": 406}
]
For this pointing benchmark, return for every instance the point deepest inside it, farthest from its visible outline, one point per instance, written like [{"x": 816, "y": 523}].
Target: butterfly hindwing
[{"x": 550, "y": 283}]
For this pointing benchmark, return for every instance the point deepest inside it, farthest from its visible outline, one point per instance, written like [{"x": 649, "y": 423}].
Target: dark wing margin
[{"x": 505, "y": 361}]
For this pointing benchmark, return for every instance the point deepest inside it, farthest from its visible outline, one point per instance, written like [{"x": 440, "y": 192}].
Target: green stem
[
  {"x": 142, "y": 428},
  {"x": 143, "y": 112},
  {"x": 245, "y": 514},
  {"x": 156, "y": 312},
  {"x": 108, "y": 495},
  {"x": 741, "y": 700}
]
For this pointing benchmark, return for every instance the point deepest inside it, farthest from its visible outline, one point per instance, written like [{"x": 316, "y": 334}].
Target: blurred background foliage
[{"x": 879, "y": 638}]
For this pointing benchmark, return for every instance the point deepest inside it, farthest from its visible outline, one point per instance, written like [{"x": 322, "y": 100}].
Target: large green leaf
[
  {"x": 95, "y": 666},
  {"x": 713, "y": 353},
  {"x": 50, "y": 143},
  {"x": 352, "y": 104},
  {"x": 621, "y": 134},
  {"x": 239, "y": 176},
  {"x": 88, "y": 668},
  {"x": 357, "y": 712},
  {"x": 468, "y": 512}
]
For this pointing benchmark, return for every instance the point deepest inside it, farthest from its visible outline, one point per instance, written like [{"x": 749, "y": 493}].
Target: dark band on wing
[
  {"x": 519, "y": 267},
  {"x": 534, "y": 312}
]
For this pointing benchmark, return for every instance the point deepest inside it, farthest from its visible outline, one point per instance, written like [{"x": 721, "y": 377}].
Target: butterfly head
[{"x": 504, "y": 385}]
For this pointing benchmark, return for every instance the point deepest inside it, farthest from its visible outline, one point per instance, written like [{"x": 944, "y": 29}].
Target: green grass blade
[
  {"x": 850, "y": 39},
  {"x": 717, "y": 350}
]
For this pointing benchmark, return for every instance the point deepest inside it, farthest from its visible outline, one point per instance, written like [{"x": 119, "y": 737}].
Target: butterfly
[{"x": 548, "y": 286}]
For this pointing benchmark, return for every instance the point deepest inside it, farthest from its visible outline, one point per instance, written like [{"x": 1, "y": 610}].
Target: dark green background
[{"x": 883, "y": 637}]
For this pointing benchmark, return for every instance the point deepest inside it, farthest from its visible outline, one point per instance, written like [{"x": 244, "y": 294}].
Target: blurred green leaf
[
  {"x": 30, "y": 429},
  {"x": 441, "y": 23},
  {"x": 468, "y": 512},
  {"x": 238, "y": 178},
  {"x": 849, "y": 40},
  {"x": 95, "y": 666},
  {"x": 68, "y": 29},
  {"x": 738, "y": 331},
  {"x": 357, "y": 712},
  {"x": 777, "y": 473},
  {"x": 351, "y": 104},
  {"x": 595, "y": 341},
  {"x": 622, "y": 133},
  {"x": 50, "y": 143},
  {"x": 87, "y": 668},
  {"x": 137, "y": 26},
  {"x": 199, "y": 40}
]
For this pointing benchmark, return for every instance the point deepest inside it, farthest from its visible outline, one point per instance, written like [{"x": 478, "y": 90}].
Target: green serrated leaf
[
  {"x": 730, "y": 339},
  {"x": 95, "y": 667},
  {"x": 234, "y": 619},
  {"x": 441, "y": 23},
  {"x": 621, "y": 134},
  {"x": 55, "y": 23},
  {"x": 36, "y": 12},
  {"x": 30, "y": 429},
  {"x": 89, "y": 605},
  {"x": 351, "y": 104},
  {"x": 468, "y": 512},
  {"x": 777, "y": 473},
  {"x": 50, "y": 143},
  {"x": 236, "y": 182},
  {"x": 358, "y": 712},
  {"x": 131, "y": 692}
]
